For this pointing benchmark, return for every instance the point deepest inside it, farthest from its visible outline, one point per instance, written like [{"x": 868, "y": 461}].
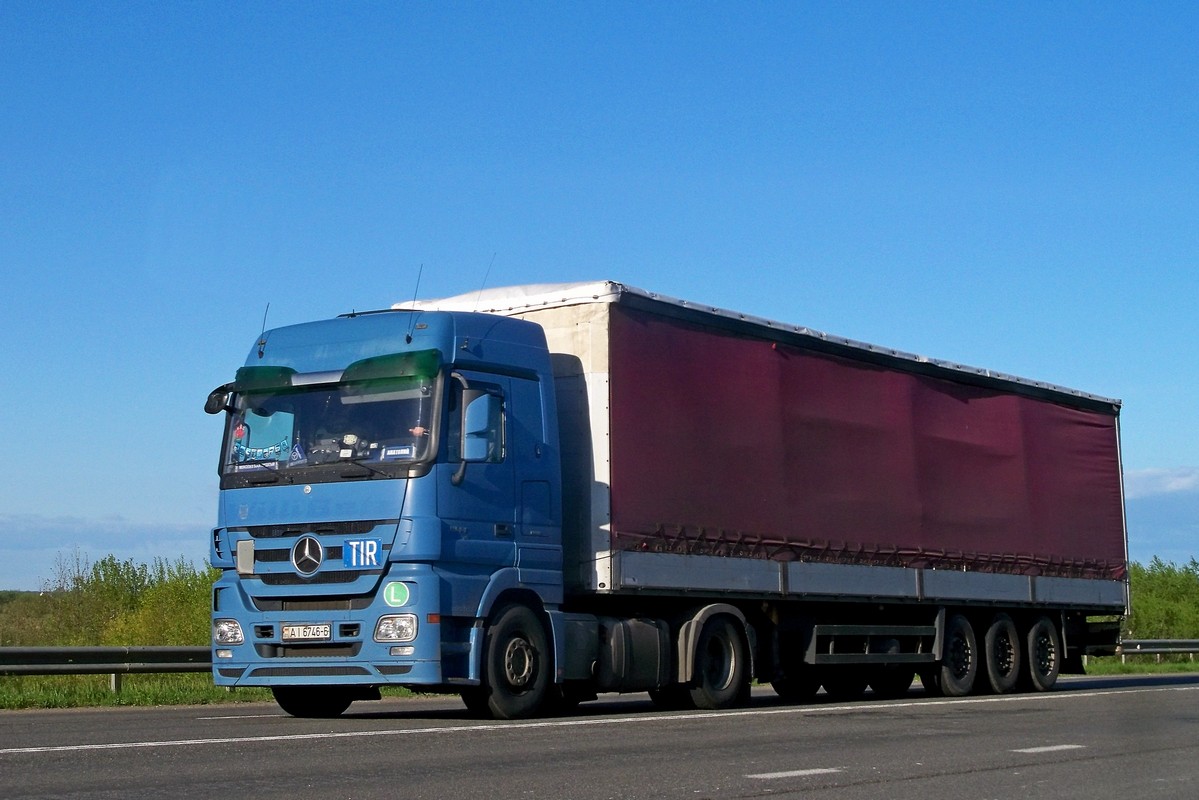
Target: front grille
[
  {"x": 326, "y": 650},
  {"x": 394, "y": 669},
  {"x": 307, "y": 672},
  {"x": 339, "y": 603},
  {"x": 350, "y": 528},
  {"x": 283, "y": 555},
  {"x": 333, "y": 576}
]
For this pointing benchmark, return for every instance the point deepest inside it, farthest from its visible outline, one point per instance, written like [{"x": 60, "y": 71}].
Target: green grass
[
  {"x": 1139, "y": 665},
  {"x": 73, "y": 691}
]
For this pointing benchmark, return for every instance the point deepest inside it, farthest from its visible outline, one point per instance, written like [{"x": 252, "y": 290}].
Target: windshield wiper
[
  {"x": 270, "y": 476},
  {"x": 360, "y": 462}
]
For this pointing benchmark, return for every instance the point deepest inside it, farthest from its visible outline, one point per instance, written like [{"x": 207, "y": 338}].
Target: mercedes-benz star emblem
[{"x": 307, "y": 555}]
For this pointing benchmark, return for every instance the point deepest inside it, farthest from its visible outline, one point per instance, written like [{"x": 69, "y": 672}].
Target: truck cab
[{"x": 388, "y": 483}]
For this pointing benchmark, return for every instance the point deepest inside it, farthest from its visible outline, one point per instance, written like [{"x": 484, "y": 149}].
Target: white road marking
[
  {"x": 276, "y": 715},
  {"x": 518, "y": 727},
  {"x": 796, "y": 773},
  {"x": 1051, "y": 748}
]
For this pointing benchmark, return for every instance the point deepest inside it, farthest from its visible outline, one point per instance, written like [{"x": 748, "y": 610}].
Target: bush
[
  {"x": 112, "y": 602},
  {"x": 1164, "y": 600}
]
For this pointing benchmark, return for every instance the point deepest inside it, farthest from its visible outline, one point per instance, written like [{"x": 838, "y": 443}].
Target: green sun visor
[
  {"x": 251, "y": 379},
  {"x": 421, "y": 364}
]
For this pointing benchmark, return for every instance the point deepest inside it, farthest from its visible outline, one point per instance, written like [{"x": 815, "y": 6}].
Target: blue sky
[{"x": 1005, "y": 185}]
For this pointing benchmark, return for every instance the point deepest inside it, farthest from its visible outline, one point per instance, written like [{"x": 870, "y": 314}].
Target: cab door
[{"x": 476, "y": 497}]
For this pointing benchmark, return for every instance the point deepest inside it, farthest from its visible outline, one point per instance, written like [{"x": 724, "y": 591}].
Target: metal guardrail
[
  {"x": 1158, "y": 647},
  {"x": 117, "y": 661},
  {"x": 112, "y": 661}
]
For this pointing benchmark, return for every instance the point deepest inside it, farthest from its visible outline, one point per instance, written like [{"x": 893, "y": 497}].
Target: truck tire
[
  {"x": 959, "y": 660},
  {"x": 313, "y": 702},
  {"x": 516, "y": 664},
  {"x": 1044, "y": 654},
  {"x": 1003, "y": 654},
  {"x": 721, "y": 675}
]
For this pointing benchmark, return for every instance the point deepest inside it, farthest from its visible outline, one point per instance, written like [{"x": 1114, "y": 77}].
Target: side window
[{"x": 476, "y": 424}]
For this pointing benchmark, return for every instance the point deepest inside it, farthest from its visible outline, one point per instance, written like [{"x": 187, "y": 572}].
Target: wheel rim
[
  {"x": 961, "y": 657},
  {"x": 1045, "y": 655},
  {"x": 720, "y": 662},
  {"x": 1005, "y": 654},
  {"x": 520, "y": 661}
]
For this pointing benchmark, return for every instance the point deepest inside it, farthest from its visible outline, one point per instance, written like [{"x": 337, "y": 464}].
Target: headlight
[
  {"x": 227, "y": 631},
  {"x": 396, "y": 628}
]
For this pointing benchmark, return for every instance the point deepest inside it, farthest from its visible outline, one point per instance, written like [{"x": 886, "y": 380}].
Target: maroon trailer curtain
[{"x": 728, "y": 445}]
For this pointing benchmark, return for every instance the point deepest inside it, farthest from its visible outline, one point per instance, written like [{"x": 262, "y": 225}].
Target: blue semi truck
[{"x": 533, "y": 495}]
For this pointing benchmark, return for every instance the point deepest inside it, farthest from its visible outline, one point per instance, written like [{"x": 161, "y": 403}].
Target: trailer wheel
[
  {"x": 1003, "y": 654},
  {"x": 313, "y": 702},
  {"x": 516, "y": 664},
  {"x": 959, "y": 662},
  {"x": 1044, "y": 654},
  {"x": 721, "y": 677}
]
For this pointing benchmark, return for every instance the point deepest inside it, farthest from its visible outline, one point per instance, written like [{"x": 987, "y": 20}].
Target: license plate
[{"x": 306, "y": 633}]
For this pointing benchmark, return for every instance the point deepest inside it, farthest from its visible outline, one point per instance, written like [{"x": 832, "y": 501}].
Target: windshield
[{"x": 381, "y": 424}]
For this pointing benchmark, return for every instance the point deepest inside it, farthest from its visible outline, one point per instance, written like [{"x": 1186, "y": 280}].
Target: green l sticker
[{"x": 395, "y": 594}]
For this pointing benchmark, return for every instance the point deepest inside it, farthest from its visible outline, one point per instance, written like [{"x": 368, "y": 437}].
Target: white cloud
[{"x": 1150, "y": 482}]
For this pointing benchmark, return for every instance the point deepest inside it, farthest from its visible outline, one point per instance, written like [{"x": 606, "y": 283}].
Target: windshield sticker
[
  {"x": 398, "y": 451},
  {"x": 274, "y": 452}
]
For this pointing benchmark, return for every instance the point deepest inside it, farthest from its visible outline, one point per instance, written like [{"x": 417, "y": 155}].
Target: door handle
[{"x": 503, "y": 530}]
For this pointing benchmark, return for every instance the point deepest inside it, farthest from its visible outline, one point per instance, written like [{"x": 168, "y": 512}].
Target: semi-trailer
[{"x": 533, "y": 495}]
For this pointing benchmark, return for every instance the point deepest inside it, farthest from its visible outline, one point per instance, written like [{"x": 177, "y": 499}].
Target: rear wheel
[
  {"x": 319, "y": 702},
  {"x": 1003, "y": 654},
  {"x": 721, "y": 674},
  {"x": 1044, "y": 654},
  {"x": 517, "y": 664},
  {"x": 959, "y": 661}
]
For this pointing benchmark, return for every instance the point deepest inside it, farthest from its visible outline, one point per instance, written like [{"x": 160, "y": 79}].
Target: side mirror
[{"x": 218, "y": 400}]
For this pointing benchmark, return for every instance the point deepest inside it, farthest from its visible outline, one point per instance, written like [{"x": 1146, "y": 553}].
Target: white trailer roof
[{"x": 514, "y": 300}]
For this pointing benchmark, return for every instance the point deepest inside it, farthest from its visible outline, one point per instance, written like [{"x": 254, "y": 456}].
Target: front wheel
[
  {"x": 517, "y": 663},
  {"x": 721, "y": 674},
  {"x": 313, "y": 702}
]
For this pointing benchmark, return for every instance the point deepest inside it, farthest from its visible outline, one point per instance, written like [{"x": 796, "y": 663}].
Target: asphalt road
[{"x": 1095, "y": 738}]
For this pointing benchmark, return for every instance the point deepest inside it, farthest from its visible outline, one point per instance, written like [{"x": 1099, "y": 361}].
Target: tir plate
[{"x": 307, "y": 633}]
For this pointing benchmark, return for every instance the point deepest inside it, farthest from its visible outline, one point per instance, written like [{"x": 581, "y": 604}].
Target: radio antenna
[
  {"x": 262, "y": 336},
  {"x": 486, "y": 275},
  {"x": 415, "y": 294}
]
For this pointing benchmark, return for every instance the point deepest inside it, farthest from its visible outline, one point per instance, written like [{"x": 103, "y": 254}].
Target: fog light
[
  {"x": 396, "y": 628},
  {"x": 224, "y": 654},
  {"x": 227, "y": 631},
  {"x": 405, "y": 650}
]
